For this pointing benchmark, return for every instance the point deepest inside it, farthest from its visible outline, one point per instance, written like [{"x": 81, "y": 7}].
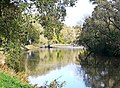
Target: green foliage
[
  {"x": 52, "y": 13},
  {"x": 13, "y": 57},
  {"x": 15, "y": 31},
  {"x": 7, "y": 81},
  {"x": 69, "y": 34},
  {"x": 101, "y": 32},
  {"x": 16, "y": 27}
]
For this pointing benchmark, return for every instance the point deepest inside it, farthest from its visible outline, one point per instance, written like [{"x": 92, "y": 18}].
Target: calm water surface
[{"x": 62, "y": 64}]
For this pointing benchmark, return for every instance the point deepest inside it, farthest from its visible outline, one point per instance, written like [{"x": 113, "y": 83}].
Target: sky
[{"x": 76, "y": 14}]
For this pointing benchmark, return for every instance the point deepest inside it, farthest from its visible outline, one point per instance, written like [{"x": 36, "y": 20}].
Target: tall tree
[
  {"x": 15, "y": 29},
  {"x": 101, "y": 31}
]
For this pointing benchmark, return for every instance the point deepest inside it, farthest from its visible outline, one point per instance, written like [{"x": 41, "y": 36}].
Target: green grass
[{"x": 6, "y": 81}]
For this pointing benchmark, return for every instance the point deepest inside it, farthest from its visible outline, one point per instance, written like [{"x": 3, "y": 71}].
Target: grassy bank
[
  {"x": 10, "y": 79},
  {"x": 7, "y": 81}
]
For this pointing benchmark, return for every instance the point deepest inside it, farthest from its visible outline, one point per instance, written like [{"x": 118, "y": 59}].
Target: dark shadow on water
[{"x": 101, "y": 72}]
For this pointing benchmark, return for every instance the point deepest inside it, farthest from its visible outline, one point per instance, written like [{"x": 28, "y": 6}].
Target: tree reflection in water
[
  {"x": 96, "y": 71},
  {"x": 101, "y": 72},
  {"x": 41, "y": 62},
  {"x": 30, "y": 57}
]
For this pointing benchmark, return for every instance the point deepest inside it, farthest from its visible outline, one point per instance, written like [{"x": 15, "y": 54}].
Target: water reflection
[
  {"x": 68, "y": 73},
  {"x": 91, "y": 72},
  {"x": 101, "y": 72},
  {"x": 42, "y": 61}
]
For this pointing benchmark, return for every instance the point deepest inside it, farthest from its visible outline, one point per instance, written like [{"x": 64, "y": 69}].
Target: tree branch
[{"x": 115, "y": 24}]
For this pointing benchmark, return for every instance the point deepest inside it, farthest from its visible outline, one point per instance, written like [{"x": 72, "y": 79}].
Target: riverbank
[
  {"x": 7, "y": 75},
  {"x": 56, "y": 46},
  {"x": 62, "y": 46},
  {"x": 7, "y": 81},
  {"x": 10, "y": 79},
  {"x": 32, "y": 47}
]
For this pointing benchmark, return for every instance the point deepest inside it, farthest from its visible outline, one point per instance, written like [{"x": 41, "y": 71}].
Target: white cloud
[{"x": 76, "y": 14}]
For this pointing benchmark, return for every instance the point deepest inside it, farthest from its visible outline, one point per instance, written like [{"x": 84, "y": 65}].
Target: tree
[
  {"x": 101, "y": 31},
  {"x": 16, "y": 28},
  {"x": 69, "y": 34},
  {"x": 51, "y": 15}
]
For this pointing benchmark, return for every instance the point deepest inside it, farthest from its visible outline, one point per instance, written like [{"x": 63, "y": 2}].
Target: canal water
[{"x": 71, "y": 67}]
